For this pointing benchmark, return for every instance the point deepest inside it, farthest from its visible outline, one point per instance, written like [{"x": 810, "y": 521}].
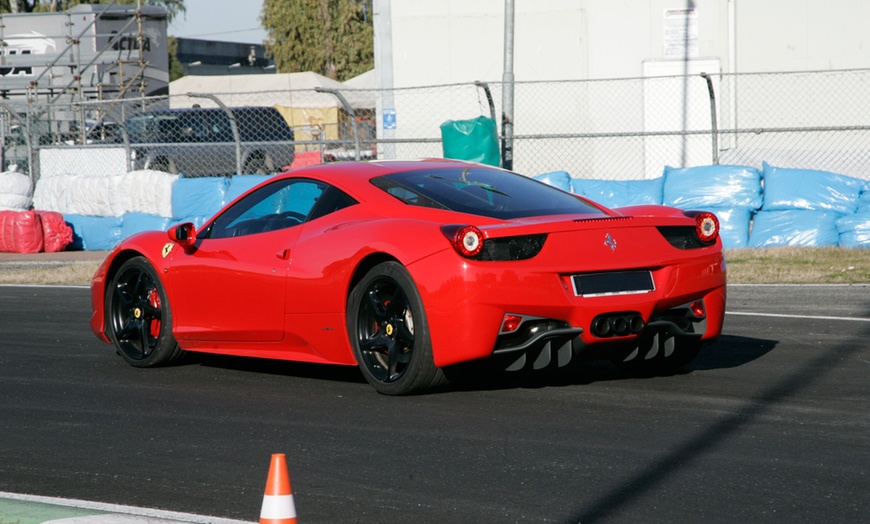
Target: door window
[{"x": 285, "y": 203}]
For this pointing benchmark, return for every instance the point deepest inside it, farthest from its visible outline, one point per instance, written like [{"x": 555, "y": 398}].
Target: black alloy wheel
[
  {"x": 139, "y": 320},
  {"x": 390, "y": 334}
]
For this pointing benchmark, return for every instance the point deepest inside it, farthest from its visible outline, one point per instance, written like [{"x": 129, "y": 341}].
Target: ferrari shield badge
[
  {"x": 610, "y": 242},
  {"x": 167, "y": 248}
]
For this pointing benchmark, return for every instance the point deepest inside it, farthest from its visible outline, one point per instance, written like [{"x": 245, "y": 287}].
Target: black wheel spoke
[
  {"x": 143, "y": 339},
  {"x": 397, "y": 304},
  {"x": 138, "y": 288},
  {"x": 377, "y": 307},
  {"x": 374, "y": 343},
  {"x": 124, "y": 296},
  {"x": 129, "y": 330}
]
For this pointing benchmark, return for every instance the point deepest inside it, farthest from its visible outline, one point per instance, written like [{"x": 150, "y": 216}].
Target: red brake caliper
[{"x": 154, "y": 301}]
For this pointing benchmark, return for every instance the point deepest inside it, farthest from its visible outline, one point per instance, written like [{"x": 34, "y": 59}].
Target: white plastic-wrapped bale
[
  {"x": 144, "y": 191},
  {"x": 77, "y": 194},
  {"x": 16, "y": 191}
]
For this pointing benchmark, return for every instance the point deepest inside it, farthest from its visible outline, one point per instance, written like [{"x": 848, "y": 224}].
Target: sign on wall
[{"x": 680, "y": 33}]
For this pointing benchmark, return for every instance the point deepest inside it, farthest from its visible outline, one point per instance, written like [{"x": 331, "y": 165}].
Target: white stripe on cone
[{"x": 278, "y": 507}]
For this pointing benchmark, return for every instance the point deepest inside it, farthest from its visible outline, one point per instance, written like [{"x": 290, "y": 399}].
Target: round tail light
[
  {"x": 707, "y": 227},
  {"x": 468, "y": 241}
]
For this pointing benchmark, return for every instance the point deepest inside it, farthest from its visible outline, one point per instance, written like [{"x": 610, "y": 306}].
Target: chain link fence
[{"x": 603, "y": 129}]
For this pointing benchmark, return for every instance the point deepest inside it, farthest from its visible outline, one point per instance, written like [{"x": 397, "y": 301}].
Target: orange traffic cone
[{"x": 278, "y": 507}]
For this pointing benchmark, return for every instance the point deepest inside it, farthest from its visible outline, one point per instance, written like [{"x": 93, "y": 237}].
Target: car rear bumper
[{"x": 466, "y": 310}]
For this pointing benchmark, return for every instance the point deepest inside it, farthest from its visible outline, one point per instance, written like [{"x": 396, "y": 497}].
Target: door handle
[{"x": 283, "y": 255}]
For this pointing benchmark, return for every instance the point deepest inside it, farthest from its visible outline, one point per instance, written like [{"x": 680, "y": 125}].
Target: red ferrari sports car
[{"x": 406, "y": 268}]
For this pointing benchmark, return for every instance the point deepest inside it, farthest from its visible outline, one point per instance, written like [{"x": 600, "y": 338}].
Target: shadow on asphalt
[{"x": 727, "y": 352}]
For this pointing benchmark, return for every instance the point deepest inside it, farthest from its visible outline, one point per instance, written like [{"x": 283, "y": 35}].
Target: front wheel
[
  {"x": 389, "y": 332},
  {"x": 139, "y": 319}
]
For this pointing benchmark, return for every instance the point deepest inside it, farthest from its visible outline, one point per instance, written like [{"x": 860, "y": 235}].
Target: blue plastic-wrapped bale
[
  {"x": 558, "y": 179},
  {"x": 620, "y": 193},
  {"x": 93, "y": 233},
  {"x": 855, "y": 230},
  {"x": 197, "y": 221},
  {"x": 807, "y": 189},
  {"x": 795, "y": 227},
  {"x": 712, "y": 186},
  {"x": 132, "y": 223},
  {"x": 198, "y": 196},
  {"x": 734, "y": 226},
  {"x": 239, "y": 184},
  {"x": 864, "y": 200}
]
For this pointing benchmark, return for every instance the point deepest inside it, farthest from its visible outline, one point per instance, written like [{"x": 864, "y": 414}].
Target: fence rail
[{"x": 604, "y": 129}]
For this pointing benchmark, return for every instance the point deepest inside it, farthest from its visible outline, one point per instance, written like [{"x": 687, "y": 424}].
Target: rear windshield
[{"x": 482, "y": 191}]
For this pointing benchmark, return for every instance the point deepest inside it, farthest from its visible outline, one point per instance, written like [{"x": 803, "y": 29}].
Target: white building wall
[
  {"x": 446, "y": 41},
  {"x": 439, "y": 42}
]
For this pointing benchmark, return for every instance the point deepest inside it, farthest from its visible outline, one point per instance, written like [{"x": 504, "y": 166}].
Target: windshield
[{"x": 482, "y": 191}]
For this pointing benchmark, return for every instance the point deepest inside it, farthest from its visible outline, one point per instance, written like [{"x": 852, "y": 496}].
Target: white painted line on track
[
  {"x": 129, "y": 512},
  {"x": 805, "y": 317},
  {"x": 73, "y": 286}
]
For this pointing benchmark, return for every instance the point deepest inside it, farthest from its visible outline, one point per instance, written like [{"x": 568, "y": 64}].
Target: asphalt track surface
[{"x": 770, "y": 424}]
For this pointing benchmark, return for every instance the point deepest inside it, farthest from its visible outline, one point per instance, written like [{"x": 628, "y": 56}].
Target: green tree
[
  {"x": 176, "y": 70},
  {"x": 332, "y": 37}
]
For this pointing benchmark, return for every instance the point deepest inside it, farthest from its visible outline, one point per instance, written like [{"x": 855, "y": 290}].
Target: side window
[
  {"x": 332, "y": 200},
  {"x": 282, "y": 204}
]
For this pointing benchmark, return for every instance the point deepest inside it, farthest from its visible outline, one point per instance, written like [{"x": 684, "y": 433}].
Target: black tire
[
  {"x": 138, "y": 316},
  {"x": 389, "y": 333}
]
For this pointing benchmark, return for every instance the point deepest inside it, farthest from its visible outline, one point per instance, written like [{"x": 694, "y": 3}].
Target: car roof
[{"x": 354, "y": 177}]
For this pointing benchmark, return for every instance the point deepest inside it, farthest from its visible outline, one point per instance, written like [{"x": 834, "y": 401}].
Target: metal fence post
[
  {"x": 713, "y": 124},
  {"x": 350, "y": 111},
  {"x": 507, "y": 114},
  {"x": 485, "y": 87}
]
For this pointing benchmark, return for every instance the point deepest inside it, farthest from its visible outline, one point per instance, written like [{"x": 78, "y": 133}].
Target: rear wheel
[
  {"x": 389, "y": 332},
  {"x": 139, "y": 317}
]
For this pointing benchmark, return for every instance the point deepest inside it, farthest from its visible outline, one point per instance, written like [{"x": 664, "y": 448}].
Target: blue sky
[{"x": 225, "y": 20}]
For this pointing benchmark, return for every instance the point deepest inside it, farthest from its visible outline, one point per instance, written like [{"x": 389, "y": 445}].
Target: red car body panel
[{"x": 283, "y": 294}]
